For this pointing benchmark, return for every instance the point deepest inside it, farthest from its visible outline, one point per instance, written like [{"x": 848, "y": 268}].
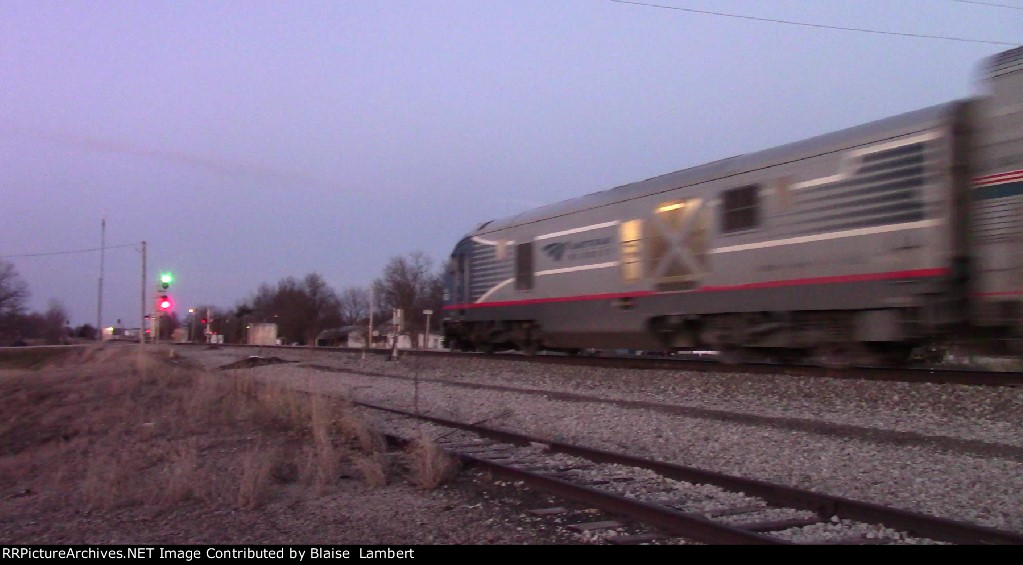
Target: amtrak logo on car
[
  {"x": 578, "y": 250},
  {"x": 555, "y": 250}
]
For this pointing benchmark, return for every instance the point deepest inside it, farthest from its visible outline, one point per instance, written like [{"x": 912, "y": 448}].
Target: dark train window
[
  {"x": 524, "y": 266},
  {"x": 740, "y": 208}
]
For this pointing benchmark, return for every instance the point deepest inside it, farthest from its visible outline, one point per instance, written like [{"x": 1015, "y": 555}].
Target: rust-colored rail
[{"x": 702, "y": 529}]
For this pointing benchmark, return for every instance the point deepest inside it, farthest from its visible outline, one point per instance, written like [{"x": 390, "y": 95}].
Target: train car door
[{"x": 677, "y": 237}]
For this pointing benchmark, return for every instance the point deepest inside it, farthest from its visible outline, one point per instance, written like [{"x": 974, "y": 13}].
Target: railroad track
[
  {"x": 673, "y": 500},
  {"x": 695, "y": 504},
  {"x": 824, "y": 428},
  {"x": 911, "y": 375},
  {"x": 973, "y": 377}
]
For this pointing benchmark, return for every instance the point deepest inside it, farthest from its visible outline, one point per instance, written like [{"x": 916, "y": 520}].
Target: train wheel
[
  {"x": 731, "y": 355},
  {"x": 530, "y": 347},
  {"x": 844, "y": 355}
]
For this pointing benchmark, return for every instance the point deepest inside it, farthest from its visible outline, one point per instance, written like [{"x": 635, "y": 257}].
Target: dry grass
[
  {"x": 181, "y": 475},
  {"x": 108, "y": 428},
  {"x": 108, "y": 481},
  {"x": 256, "y": 480},
  {"x": 373, "y": 467},
  {"x": 429, "y": 465},
  {"x": 284, "y": 409},
  {"x": 326, "y": 454},
  {"x": 358, "y": 432},
  {"x": 32, "y": 358}
]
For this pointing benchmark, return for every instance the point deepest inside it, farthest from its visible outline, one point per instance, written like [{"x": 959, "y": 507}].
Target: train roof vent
[{"x": 1005, "y": 62}]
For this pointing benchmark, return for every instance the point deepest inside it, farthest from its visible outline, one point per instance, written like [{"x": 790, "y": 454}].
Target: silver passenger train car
[{"x": 872, "y": 239}]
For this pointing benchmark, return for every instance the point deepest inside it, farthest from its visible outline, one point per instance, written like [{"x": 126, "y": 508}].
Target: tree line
[
  {"x": 302, "y": 307},
  {"x": 17, "y": 325}
]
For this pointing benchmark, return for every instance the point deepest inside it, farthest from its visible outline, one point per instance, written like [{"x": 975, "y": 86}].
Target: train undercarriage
[{"x": 885, "y": 337}]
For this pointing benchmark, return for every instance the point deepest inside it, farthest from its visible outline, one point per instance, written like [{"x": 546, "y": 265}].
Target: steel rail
[
  {"x": 970, "y": 377},
  {"x": 671, "y": 521},
  {"x": 915, "y": 523}
]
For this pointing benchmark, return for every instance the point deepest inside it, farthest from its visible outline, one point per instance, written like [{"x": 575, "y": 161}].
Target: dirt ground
[{"x": 105, "y": 447}]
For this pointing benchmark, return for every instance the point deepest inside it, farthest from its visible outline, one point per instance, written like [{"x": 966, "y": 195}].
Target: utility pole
[
  {"x": 426, "y": 341},
  {"x": 369, "y": 330},
  {"x": 142, "y": 319},
  {"x": 102, "y": 256}
]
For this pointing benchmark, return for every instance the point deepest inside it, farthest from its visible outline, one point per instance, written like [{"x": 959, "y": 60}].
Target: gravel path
[{"x": 971, "y": 484}]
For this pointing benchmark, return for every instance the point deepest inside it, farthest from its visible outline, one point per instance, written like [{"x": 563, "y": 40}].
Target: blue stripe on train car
[{"x": 1000, "y": 190}]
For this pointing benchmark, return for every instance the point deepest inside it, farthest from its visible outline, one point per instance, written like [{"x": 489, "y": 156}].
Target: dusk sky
[{"x": 248, "y": 141}]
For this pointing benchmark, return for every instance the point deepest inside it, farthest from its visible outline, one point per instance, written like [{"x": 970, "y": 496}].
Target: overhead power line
[
  {"x": 809, "y": 24},
  {"x": 991, "y": 4},
  {"x": 70, "y": 252}
]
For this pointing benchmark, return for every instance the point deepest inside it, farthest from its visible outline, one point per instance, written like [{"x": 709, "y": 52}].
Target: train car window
[
  {"x": 632, "y": 262},
  {"x": 524, "y": 266},
  {"x": 740, "y": 208}
]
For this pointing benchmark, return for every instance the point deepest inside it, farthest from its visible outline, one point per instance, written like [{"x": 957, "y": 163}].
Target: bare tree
[
  {"x": 300, "y": 308},
  {"x": 55, "y": 320},
  {"x": 408, "y": 283},
  {"x": 13, "y": 290},
  {"x": 354, "y": 302},
  {"x": 322, "y": 307},
  {"x": 14, "y": 325}
]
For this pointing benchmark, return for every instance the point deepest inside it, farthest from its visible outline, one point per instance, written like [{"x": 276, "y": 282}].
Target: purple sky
[{"x": 249, "y": 141}]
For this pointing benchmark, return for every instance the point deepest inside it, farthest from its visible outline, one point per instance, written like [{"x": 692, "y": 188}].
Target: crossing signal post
[{"x": 396, "y": 325}]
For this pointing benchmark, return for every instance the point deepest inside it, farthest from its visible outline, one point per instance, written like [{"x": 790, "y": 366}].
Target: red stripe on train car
[
  {"x": 576, "y": 298},
  {"x": 1002, "y": 180},
  {"x": 997, "y": 176},
  {"x": 910, "y": 274}
]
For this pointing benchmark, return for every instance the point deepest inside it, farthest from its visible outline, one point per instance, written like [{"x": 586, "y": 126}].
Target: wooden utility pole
[
  {"x": 99, "y": 301},
  {"x": 369, "y": 330},
  {"x": 142, "y": 319}
]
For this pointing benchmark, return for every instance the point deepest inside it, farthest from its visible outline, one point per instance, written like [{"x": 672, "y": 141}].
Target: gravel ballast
[{"x": 950, "y": 474}]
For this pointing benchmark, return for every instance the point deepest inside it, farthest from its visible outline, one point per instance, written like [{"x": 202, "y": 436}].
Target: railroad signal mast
[{"x": 164, "y": 303}]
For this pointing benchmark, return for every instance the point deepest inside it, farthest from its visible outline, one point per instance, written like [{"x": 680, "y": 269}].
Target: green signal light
[{"x": 167, "y": 278}]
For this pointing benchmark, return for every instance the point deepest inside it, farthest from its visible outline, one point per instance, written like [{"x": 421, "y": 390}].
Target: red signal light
[{"x": 165, "y": 303}]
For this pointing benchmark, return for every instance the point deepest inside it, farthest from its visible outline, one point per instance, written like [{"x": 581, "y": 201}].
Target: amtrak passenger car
[{"x": 878, "y": 238}]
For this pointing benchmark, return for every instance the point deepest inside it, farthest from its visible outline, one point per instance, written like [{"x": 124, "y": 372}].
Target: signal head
[
  {"x": 165, "y": 303},
  {"x": 165, "y": 280}
]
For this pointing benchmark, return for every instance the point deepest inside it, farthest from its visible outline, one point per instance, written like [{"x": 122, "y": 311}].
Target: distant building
[
  {"x": 339, "y": 337},
  {"x": 261, "y": 334},
  {"x": 383, "y": 334},
  {"x": 120, "y": 333}
]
